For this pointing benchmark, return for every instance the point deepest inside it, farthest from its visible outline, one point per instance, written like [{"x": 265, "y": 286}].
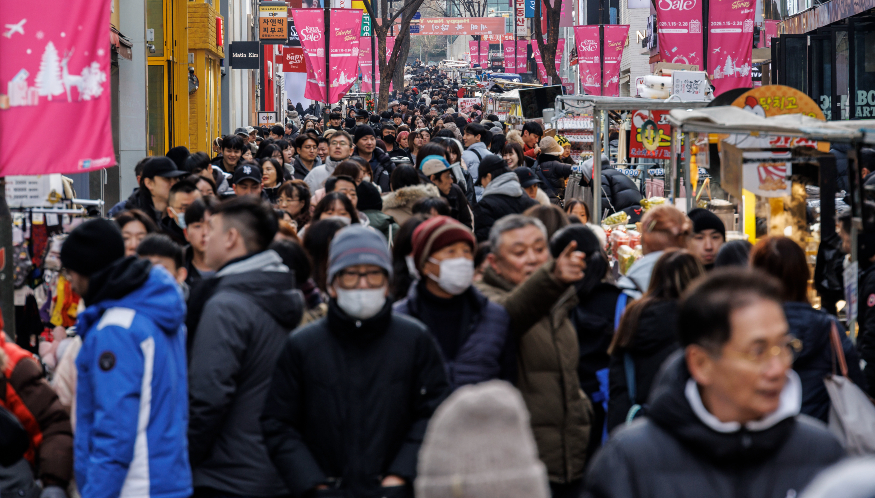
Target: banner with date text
[
  {"x": 730, "y": 36},
  {"x": 615, "y": 42},
  {"x": 679, "y": 30}
]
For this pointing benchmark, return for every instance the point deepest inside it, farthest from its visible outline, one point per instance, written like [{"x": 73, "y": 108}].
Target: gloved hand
[{"x": 53, "y": 492}]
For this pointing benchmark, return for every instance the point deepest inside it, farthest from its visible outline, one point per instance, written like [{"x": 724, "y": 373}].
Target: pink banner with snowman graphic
[
  {"x": 680, "y": 31},
  {"x": 730, "y": 36},
  {"x": 346, "y": 25},
  {"x": 55, "y": 69},
  {"x": 310, "y": 24}
]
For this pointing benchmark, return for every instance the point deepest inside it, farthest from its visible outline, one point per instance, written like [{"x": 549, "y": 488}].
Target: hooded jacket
[
  {"x": 132, "y": 392},
  {"x": 555, "y": 172},
  {"x": 381, "y": 165},
  {"x": 681, "y": 450},
  {"x": 299, "y": 171},
  {"x": 399, "y": 203},
  {"x": 547, "y": 358},
  {"x": 503, "y": 196},
  {"x": 315, "y": 179},
  {"x": 485, "y": 351},
  {"x": 350, "y": 402},
  {"x": 221, "y": 177},
  {"x": 459, "y": 209},
  {"x": 240, "y": 335},
  {"x": 815, "y": 361},
  {"x": 472, "y": 159}
]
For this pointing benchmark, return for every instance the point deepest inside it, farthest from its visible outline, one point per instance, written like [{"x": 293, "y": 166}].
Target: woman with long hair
[
  {"x": 271, "y": 177},
  {"x": 336, "y": 205},
  {"x": 294, "y": 198},
  {"x": 648, "y": 332},
  {"x": 783, "y": 259},
  {"x": 415, "y": 143},
  {"x": 513, "y": 155}
]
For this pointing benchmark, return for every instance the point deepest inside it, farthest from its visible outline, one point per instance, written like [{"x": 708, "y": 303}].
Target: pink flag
[
  {"x": 615, "y": 41},
  {"x": 731, "y": 36},
  {"x": 680, "y": 31},
  {"x": 390, "y": 45},
  {"x": 366, "y": 64},
  {"x": 346, "y": 25},
  {"x": 474, "y": 52},
  {"x": 560, "y": 49},
  {"x": 565, "y": 19},
  {"x": 588, "y": 58},
  {"x": 522, "y": 49},
  {"x": 509, "y": 56},
  {"x": 56, "y": 69},
  {"x": 310, "y": 24},
  {"x": 542, "y": 71},
  {"x": 769, "y": 31}
]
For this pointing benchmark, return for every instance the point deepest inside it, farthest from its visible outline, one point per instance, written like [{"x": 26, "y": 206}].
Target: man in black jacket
[
  {"x": 365, "y": 141},
  {"x": 502, "y": 195},
  {"x": 307, "y": 157},
  {"x": 724, "y": 419},
  {"x": 159, "y": 174},
  {"x": 552, "y": 169},
  {"x": 353, "y": 392},
  {"x": 242, "y": 328}
]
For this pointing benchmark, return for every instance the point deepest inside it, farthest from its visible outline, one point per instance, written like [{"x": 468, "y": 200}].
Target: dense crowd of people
[{"x": 405, "y": 304}]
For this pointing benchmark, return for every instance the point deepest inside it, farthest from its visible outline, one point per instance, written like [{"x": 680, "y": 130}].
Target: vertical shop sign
[
  {"x": 293, "y": 40},
  {"x": 730, "y": 35},
  {"x": 521, "y": 18},
  {"x": 615, "y": 42},
  {"x": 55, "y": 70},
  {"x": 272, "y": 27},
  {"x": 346, "y": 25},
  {"x": 680, "y": 31}
]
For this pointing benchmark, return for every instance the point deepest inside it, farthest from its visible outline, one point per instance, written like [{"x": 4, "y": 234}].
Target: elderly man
[{"x": 537, "y": 294}]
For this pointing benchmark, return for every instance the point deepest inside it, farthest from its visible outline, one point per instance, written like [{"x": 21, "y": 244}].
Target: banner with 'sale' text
[
  {"x": 730, "y": 38},
  {"x": 680, "y": 31}
]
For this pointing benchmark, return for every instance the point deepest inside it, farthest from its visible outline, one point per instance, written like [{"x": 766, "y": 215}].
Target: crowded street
[{"x": 287, "y": 249}]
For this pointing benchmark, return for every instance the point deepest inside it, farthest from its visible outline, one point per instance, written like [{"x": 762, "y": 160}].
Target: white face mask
[
  {"x": 456, "y": 275},
  {"x": 344, "y": 219},
  {"x": 411, "y": 266},
  {"x": 366, "y": 178},
  {"x": 361, "y": 303}
]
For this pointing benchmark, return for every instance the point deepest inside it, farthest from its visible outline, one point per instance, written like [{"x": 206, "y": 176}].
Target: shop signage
[
  {"x": 824, "y": 14},
  {"x": 244, "y": 54},
  {"x": 293, "y": 60},
  {"x": 272, "y": 27},
  {"x": 769, "y": 179},
  {"x": 521, "y": 18},
  {"x": 497, "y": 38},
  {"x": 55, "y": 69},
  {"x": 730, "y": 38},
  {"x": 293, "y": 40},
  {"x": 775, "y": 100},
  {"x": 461, "y": 26},
  {"x": 530, "y": 9},
  {"x": 680, "y": 31},
  {"x": 690, "y": 86},
  {"x": 265, "y": 118},
  {"x": 651, "y": 135}
]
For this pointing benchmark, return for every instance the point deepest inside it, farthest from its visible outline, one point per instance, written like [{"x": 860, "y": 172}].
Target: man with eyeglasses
[
  {"x": 724, "y": 418},
  {"x": 339, "y": 150},
  {"x": 307, "y": 158},
  {"x": 353, "y": 392}
]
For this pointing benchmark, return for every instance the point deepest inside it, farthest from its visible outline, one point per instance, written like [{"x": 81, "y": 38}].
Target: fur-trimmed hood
[{"x": 407, "y": 196}]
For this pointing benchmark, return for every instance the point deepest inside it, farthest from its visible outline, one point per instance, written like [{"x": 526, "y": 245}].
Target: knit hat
[
  {"x": 704, "y": 220},
  {"x": 436, "y": 233},
  {"x": 479, "y": 444},
  {"x": 362, "y": 131},
  {"x": 358, "y": 245},
  {"x": 548, "y": 145},
  {"x": 92, "y": 246},
  {"x": 562, "y": 141},
  {"x": 368, "y": 197}
]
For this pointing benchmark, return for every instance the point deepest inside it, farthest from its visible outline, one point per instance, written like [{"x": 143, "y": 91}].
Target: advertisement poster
[
  {"x": 479, "y": 51},
  {"x": 730, "y": 38},
  {"x": 461, "y": 26},
  {"x": 346, "y": 26},
  {"x": 680, "y": 31},
  {"x": 55, "y": 70},
  {"x": 774, "y": 100},
  {"x": 767, "y": 179},
  {"x": 588, "y": 58},
  {"x": 310, "y": 24},
  {"x": 293, "y": 60},
  {"x": 522, "y": 56},
  {"x": 509, "y": 50},
  {"x": 651, "y": 135},
  {"x": 615, "y": 41},
  {"x": 466, "y": 104},
  {"x": 768, "y": 31}
]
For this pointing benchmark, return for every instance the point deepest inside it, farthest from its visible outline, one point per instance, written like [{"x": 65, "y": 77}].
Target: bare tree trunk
[
  {"x": 403, "y": 52},
  {"x": 548, "y": 48},
  {"x": 381, "y": 31}
]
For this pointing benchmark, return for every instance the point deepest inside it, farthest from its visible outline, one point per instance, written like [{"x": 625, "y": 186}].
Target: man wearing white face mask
[
  {"x": 353, "y": 392},
  {"x": 470, "y": 330}
]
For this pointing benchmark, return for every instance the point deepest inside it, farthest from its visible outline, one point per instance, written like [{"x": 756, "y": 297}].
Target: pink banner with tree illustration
[
  {"x": 680, "y": 31},
  {"x": 55, "y": 69},
  {"x": 615, "y": 41},
  {"x": 346, "y": 25},
  {"x": 310, "y": 24},
  {"x": 522, "y": 54},
  {"x": 588, "y": 58},
  {"x": 390, "y": 46},
  {"x": 479, "y": 51},
  {"x": 366, "y": 64},
  {"x": 730, "y": 38},
  {"x": 509, "y": 49}
]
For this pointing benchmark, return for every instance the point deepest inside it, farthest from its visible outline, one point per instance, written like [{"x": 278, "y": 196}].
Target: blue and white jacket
[{"x": 132, "y": 394}]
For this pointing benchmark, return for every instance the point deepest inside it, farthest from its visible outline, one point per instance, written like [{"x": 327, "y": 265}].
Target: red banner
[
  {"x": 615, "y": 41},
  {"x": 680, "y": 31},
  {"x": 588, "y": 56},
  {"x": 56, "y": 69},
  {"x": 497, "y": 38},
  {"x": 522, "y": 54},
  {"x": 310, "y": 24},
  {"x": 731, "y": 36},
  {"x": 346, "y": 25},
  {"x": 461, "y": 26},
  {"x": 293, "y": 60}
]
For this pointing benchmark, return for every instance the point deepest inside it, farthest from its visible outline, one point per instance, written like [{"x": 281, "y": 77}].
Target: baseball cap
[
  {"x": 162, "y": 166},
  {"x": 527, "y": 176},
  {"x": 249, "y": 129},
  {"x": 361, "y": 113},
  {"x": 433, "y": 165},
  {"x": 246, "y": 172},
  {"x": 241, "y": 131}
]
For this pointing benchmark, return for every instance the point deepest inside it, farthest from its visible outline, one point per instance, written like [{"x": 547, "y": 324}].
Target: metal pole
[
  {"x": 596, "y": 169},
  {"x": 688, "y": 183},
  {"x": 7, "y": 288},
  {"x": 606, "y": 145},
  {"x": 328, "y": 58},
  {"x": 673, "y": 161},
  {"x": 602, "y": 59}
]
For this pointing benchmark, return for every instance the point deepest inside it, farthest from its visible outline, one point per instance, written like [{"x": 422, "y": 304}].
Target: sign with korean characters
[
  {"x": 690, "y": 86},
  {"x": 461, "y": 26},
  {"x": 272, "y": 27},
  {"x": 651, "y": 135},
  {"x": 774, "y": 100},
  {"x": 521, "y": 27}
]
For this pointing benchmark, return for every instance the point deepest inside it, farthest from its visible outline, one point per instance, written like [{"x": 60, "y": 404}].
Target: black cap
[
  {"x": 161, "y": 166},
  {"x": 361, "y": 113},
  {"x": 92, "y": 246},
  {"x": 489, "y": 164},
  {"x": 241, "y": 132},
  {"x": 527, "y": 176},
  {"x": 246, "y": 171}
]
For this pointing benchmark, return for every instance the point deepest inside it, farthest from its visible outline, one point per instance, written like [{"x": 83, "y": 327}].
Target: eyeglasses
[
  {"x": 338, "y": 142},
  {"x": 760, "y": 355},
  {"x": 349, "y": 279}
]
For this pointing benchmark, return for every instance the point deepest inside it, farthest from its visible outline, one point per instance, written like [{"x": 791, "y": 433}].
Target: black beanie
[
  {"x": 704, "y": 220},
  {"x": 368, "y": 197},
  {"x": 362, "y": 131},
  {"x": 92, "y": 246}
]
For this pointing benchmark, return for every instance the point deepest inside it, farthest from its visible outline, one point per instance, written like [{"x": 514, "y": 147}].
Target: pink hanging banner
[
  {"x": 731, "y": 36},
  {"x": 565, "y": 19},
  {"x": 310, "y": 24},
  {"x": 346, "y": 25},
  {"x": 539, "y": 64},
  {"x": 542, "y": 71},
  {"x": 588, "y": 58},
  {"x": 390, "y": 46},
  {"x": 680, "y": 31},
  {"x": 615, "y": 41},
  {"x": 522, "y": 53},
  {"x": 769, "y": 31},
  {"x": 366, "y": 64},
  {"x": 55, "y": 70},
  {"x": 509, "y": 50}
]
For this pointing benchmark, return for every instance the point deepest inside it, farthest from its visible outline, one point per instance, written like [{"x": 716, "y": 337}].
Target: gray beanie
[
  {"x": 479, "y": 444},
  {"x": 358, "y": 245}
]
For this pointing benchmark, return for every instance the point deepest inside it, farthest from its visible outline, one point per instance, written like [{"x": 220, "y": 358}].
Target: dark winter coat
[
  {"x": 381, "y": 165},
  {"x": 815, "y": 361},
  {"x": 459, "y": 209},
  {"x": 239, "y": 338},
  {"x": 671, "y": 452},
  {"x": 618, "y": 191},
  {"x": 299, "y": 171},
  {"x": 593, "y": 319},
  {"x": 485, "y": 352},
  {"x": 655, "y": 340},
  {"x": 503, "y": 196},
  {"x": 866, "y": 320},
  {"x": 555, "y": 172},
  {"x": 142, "y": 199},
  {"x": 350, "y": 401}
]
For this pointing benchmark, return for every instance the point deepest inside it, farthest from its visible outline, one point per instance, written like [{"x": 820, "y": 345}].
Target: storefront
[{"x": 828, "y": 52}]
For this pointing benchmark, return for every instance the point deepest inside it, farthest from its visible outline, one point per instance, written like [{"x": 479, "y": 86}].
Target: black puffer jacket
[
  {"x": 593, "y": 319},
  {"x": 381, "y": 165},
  {"x": 866, "y": 319},
  {"x": 459, "y": 209},
  {"x": 142, "y": 199},
  {"x": 503, "y": 196},
  {"x": 350, "y": 402},
  {"x": 618, "y": 191},
  {"x": 655, "y": 340},
  {"x": 671, "y": 452},
  {"x": 555, "y": 172}
]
